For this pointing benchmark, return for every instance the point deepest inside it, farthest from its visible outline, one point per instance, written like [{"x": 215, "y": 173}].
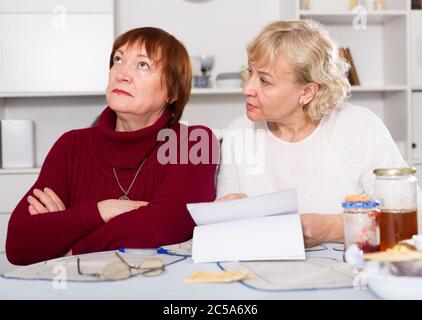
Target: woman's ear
[
  {"x": 171, "y": 100},
  {"x": 308, "y": 93}
]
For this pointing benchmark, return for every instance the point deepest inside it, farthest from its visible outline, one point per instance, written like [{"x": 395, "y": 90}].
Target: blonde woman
[{"x": 301, "y": 132}]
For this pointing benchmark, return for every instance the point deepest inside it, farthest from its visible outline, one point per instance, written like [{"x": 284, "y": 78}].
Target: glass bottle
[{"x": 395, "y": 189}]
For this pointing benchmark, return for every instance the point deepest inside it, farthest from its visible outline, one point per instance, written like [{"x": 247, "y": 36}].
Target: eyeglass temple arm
[
  {"x": 143, "y": 270},
  {"x": 124, "y": 261},
  {"x": 78, "y": 265}
]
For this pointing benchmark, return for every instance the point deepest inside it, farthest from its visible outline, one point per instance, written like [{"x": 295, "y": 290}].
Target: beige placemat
[
  {"x": 66, "y": 267},
  {"x": 310, "y": 274}
]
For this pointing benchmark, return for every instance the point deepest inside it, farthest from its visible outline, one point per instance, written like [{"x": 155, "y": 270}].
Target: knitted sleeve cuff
[
  {"x": 91, "y": 219},
  {"x": 90, "y": 216}
]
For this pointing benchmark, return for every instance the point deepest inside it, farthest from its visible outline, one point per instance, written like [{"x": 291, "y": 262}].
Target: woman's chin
[
  {"x": 253, "y": 116},
  {"x": 119, "y": 107}
]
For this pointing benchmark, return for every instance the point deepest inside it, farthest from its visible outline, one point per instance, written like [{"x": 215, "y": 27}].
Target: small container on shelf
[
  {"x": 229, "y": 80},
  {"x": 201, "y": 81},
  {"x": 379, "y": 5},
  {"x": 361, "y": 223}
]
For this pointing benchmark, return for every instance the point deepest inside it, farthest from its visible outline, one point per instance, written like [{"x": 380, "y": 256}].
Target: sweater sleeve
[
  {"x": 228, "y": 180},
  {"x": 165, "y": 220},
  {"x": 33, "y": 238}
]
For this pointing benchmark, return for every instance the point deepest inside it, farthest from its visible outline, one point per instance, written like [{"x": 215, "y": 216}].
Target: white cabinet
[
  {"x": 5, "y": 266},
  {"x": 417, "y": 125},
  {"x": 416, "y": 48},
  {"x": 13, "y": 187},
  {"x": 419, "y": 175},
  {"x": 4, "y": 220},
  {"x": 55, "y": 46},
  {"x": 416, "y": 83}
]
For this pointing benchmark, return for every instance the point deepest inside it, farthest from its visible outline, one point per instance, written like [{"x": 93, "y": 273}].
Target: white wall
[{"x": 219, "y": 27}]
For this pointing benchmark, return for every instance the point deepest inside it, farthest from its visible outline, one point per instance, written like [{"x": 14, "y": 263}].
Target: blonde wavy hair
[{"x": 313, "y": 56}]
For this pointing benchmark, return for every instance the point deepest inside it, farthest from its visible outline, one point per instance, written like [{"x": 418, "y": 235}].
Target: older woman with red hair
[{"x": 111, "y": 185}]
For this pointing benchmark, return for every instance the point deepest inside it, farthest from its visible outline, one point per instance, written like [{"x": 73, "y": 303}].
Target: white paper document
[{"x": 265, "y": 227}]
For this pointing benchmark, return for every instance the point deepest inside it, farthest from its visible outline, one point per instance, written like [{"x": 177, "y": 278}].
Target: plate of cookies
[{"x": 395, "y": 273}]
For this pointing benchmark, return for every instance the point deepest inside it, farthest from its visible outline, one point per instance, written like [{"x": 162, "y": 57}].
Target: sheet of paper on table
[{"x": 265, "y": 227}]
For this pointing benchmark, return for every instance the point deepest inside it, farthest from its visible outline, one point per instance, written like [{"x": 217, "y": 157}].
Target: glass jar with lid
[
  {"x": 361, "y": 225},
  {"x": 395, "y": 189}
]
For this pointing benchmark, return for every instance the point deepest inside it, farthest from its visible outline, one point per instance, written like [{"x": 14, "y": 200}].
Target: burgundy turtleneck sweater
[{"x": 79, "y": 168}]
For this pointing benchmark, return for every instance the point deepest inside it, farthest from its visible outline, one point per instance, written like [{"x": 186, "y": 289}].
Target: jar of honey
[{"x": 395, "y": 189}]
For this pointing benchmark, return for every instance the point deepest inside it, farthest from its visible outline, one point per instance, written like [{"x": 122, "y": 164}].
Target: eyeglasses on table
[{"x": 121, "y": 269}]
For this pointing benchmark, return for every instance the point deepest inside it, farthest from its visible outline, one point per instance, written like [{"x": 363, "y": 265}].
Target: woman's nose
[
  {"x": 123, "y": 75},
  {"x": 249, "y": 87}
]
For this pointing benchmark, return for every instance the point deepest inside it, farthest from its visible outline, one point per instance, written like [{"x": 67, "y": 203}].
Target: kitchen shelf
[
  {"x": 215, "y": 91},
  {"x": 195, "y": 91},
  {"x": 50, "y": 94},
  {"x": 364, "y": 88},
  {"x": 369, "y": 88},
  {"x": 373, "y": 17},
  {"x": 20, "y": 171}
]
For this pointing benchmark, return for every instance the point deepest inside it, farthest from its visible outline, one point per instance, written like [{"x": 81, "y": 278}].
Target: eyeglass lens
[{"x": 120, "y": 270}]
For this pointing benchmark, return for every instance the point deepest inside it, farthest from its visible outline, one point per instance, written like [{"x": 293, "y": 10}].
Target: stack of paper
[{"x": 265, "y": 227}]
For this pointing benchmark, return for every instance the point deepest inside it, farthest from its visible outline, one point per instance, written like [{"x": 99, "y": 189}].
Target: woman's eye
[
  {"x": 117, "y": 59},
  {"x": 143, "y": 65},
  {"x": 264, "y": 82}
]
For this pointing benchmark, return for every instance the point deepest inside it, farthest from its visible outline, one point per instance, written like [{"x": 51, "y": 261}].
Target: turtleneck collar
[{"x": 124, "y": 149}]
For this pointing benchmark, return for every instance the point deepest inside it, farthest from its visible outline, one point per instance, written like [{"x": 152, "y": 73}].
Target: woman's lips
[
  {"x": 122, "y": 92},
  {"x": 250, "y": 107}
]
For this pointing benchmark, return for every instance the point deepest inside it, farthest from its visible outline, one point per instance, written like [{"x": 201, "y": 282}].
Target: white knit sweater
[{"x": 335, "y": 161}]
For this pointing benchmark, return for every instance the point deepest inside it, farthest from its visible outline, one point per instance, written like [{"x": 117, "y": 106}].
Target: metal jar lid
[{"x": 395, "y": 171}]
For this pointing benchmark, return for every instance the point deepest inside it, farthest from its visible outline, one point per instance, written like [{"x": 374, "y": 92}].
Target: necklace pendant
[{"x": 124, "y": 198}]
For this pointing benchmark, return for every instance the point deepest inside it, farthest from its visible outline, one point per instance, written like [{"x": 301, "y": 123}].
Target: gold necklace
[{"x": 126, "y": 192}]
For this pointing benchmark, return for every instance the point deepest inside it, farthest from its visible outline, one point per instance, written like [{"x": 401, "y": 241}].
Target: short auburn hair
[{"x": 174, "y": 59}]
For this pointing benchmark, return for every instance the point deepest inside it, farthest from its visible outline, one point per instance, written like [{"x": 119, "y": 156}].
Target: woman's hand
[
  {"x": 44, "y": 201},
  {"x": 112, "y": 208},
  {"x": 320, "y": 228},
  {"x": 232, "y": 196}
]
